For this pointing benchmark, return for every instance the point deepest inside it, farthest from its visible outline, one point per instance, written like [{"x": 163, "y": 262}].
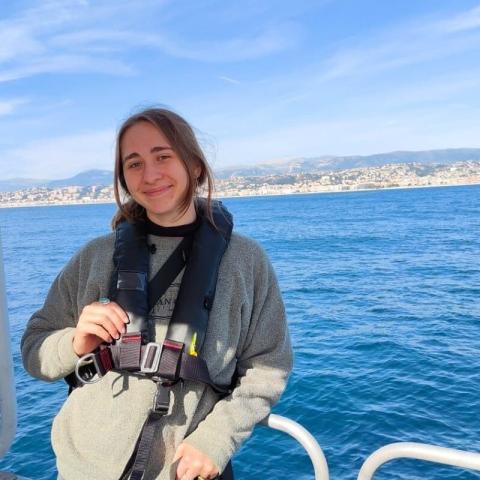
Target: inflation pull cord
[{"x": 193, "y": 345}]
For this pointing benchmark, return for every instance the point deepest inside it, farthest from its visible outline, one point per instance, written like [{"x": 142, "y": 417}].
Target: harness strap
[
  {"x": 175, "y": 363},
  {"x": 128, "y": 354},
  {"x": 143, "y": 449},
  {"x": 169, "y": 271},
  {"x": 129, "y": 351},
  {"x": 129, "y": 283},
  {"x": 178, "y": 357},
  {"x": 170, "y": 360},
  {"x": 195, "y": 368}
]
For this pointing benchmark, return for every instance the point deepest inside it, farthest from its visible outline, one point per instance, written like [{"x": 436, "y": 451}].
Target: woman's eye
[
  {"x": 162, "y": 158},
  {"x": 133, "y": 165}
]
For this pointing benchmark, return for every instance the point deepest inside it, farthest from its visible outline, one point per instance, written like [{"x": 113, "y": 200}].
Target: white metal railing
[
  {"x": 305, "y": 438},
  {"x": 419, "y": 451},
  {"x": 8, "y": 405}
]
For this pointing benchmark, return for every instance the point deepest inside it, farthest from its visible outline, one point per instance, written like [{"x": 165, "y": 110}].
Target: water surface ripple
[{"x": 381, "y": 290}]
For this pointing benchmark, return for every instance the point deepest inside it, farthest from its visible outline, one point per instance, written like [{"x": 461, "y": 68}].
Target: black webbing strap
[
  {"x": 131, "y": 261},
  {"x": 127, "y": 354},
  {"x": 195, "y": 368},
  {"x": 129, "y": 349},
  {"x": 143, "y": 449},
  {"x": 171, "y": 355},
  {"x": 135, "y": 468},
  {"x": 175, "y": 364},
  {"x": 196, "y": 295},
  {"x": 169, "y": 271},
  {"x": 169, "y": 366}
]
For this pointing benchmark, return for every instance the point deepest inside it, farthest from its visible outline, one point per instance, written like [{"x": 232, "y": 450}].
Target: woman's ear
[{"x": 197, "y": 171}]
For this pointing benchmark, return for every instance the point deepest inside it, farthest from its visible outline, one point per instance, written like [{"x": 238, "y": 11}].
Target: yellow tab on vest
[{"x": 193, "y": 345}]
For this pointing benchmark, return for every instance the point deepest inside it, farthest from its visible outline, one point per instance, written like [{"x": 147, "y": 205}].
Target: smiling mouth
[{"x": 157, "y": 191}]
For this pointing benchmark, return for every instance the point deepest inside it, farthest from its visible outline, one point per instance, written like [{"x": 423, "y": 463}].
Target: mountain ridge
[
  {"x": 290, "y": 166},
  {"x": 326, "y": 163}
]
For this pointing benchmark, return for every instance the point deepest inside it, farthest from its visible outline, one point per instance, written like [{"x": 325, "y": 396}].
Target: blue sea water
[{"x": 382, "y": 295}]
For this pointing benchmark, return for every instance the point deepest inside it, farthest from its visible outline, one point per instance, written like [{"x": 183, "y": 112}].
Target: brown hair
[{"x": 183, "y": 141}]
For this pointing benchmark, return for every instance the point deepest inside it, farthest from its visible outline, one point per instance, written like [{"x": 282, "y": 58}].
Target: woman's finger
[
  {"x": 103, "y": 320},
  {"x": 193, "y": 463},
  {"x": 115, "y": 321},
  {"x": 194, "y": 469},
  {"x": 100, "y": 332},
  {"x": 189, "y": 468},
  {"x": 190, "y": 474},
  {"x": 181, "y": 468},
  {"x": 113, "y": 308},
  {"x": 114, "y": 313},
  {"x": 208, "y": 470},
  {"x": 104, "y": 315},
  {"x": 120, "y": 313}
]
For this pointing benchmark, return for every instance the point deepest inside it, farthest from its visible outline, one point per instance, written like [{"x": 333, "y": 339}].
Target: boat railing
[
  {"x": 8, "y": 405},
  {"x": 418, "y": 451},
  {"x": 305, "y": 438}
]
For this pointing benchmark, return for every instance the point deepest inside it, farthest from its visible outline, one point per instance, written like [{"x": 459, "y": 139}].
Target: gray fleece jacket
[{"x": 95, "y": 432}]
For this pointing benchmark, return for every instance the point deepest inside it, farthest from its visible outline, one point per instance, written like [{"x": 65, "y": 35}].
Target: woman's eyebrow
[
  {"x": 131, "y": 155},
  {"x": 159, "y": 149}
]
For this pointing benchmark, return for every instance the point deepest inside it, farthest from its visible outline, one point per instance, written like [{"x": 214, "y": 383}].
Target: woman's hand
[
  {"x": 98, "y": 322},
  {"x": 193, "y": 464}
]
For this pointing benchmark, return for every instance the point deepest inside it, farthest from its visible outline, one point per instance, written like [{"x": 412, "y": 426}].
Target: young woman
[{"x": 159, "y": 170}]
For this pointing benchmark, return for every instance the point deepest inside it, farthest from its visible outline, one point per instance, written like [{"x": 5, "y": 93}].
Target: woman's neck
[
  {"x": 183, "y": 218},
  {"x": 175, "y": 231}
]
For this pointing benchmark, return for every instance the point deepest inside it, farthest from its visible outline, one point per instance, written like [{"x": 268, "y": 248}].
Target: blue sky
[{"x": 259, "y": 80}]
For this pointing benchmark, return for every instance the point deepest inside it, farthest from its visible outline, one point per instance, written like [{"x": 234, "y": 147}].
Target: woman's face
[{"x": 155, "y": 176}]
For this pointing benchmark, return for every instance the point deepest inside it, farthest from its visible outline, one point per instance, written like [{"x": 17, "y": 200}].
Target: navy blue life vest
[{"x": 180, "y": 354}]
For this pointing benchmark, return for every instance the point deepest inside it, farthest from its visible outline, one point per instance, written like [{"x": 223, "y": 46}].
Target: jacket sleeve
[
  {"x": 47, "y": 349},
  {"x": 262, "y": 369}
]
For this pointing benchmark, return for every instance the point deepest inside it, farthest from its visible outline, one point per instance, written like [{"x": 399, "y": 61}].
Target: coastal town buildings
[{"x": 405, "y": 175}]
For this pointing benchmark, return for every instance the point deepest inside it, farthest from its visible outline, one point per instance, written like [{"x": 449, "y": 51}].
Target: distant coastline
[
  {"x": 252, "y": 195},
  {"x": 392, "y": 176}
]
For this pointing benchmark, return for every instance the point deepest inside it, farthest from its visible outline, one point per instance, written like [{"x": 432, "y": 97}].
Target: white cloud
[
  {"x": 68, "y": 39},
  {"x": 17, "y": 42},
  {"x": 408, "y": 64},
  {"x": 405, "y": 45},
  {"x": 56, "y": 158},
  {"x": 230, "y": 80},
  {"x": 442, "y": 88},
  {"x": 114, "y": 40},
  {"x": 272, "y": 40},
  {"x": 372, "y": 74},
  {"x": 356, "y": 136},
  {"x": 66, "y": 64},
  {"x": 30, "y": 47},
  {"x": 7, "y": 107},
  {"x": 469, "y": 20}
]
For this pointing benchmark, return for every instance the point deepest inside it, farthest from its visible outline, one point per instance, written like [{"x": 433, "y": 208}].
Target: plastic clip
[
  {"x": 151, "y": 358},
  {"x": 161, "y": 402},
  {"x": 90, "y": 372}
]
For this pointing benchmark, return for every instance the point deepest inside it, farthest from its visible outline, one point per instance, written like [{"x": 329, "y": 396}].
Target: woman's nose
[{"x": 151, "y": 172}]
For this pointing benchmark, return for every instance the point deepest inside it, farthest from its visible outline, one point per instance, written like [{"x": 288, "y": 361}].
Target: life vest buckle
[
  {"x": 88, "y": 369},
  {"x": 161, "y": 401},
  {"x": 151, "y": 358}
]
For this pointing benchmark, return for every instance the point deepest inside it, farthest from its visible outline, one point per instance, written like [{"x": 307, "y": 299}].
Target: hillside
[{"x": 295, "y": 166}]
